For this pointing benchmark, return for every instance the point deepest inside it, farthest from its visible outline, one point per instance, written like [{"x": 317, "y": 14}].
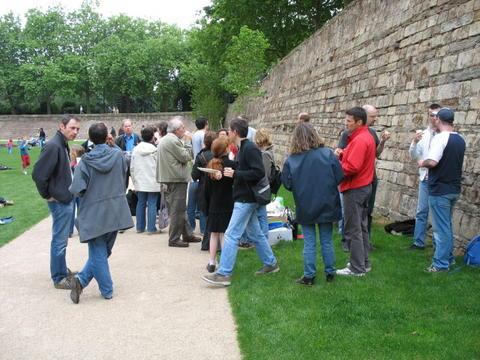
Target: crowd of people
[{"x": 215, "y": 177}]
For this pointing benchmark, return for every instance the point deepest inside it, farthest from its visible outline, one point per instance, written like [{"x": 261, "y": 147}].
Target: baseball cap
[{"x": 446, "y": 115}]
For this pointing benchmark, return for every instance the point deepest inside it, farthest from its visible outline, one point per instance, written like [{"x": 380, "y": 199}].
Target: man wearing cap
[
  {"x": 419, "y": 151},
  {"x": 444, "y": 162}
]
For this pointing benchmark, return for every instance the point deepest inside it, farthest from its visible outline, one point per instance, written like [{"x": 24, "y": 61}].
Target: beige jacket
[{"x": 173, "y": 160}]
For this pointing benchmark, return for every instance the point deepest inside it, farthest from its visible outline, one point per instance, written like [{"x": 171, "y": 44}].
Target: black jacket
[
  {"x": 202, "y": 159},
  {"x": 52, "y": 173},
  {"x": 249, "y": 172},
  {"x": 120, "y": 141}
]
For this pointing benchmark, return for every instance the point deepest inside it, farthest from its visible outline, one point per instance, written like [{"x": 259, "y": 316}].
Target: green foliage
[{"x": 244, "y": 60}]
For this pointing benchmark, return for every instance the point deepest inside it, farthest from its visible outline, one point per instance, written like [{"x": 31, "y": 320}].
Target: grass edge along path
[
  {"x": 397, "y": 311},
  {"x": 29, "y": 207}
]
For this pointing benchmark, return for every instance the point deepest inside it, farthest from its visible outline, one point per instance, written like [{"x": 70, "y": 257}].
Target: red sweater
[{"x": 358, "y": 160}]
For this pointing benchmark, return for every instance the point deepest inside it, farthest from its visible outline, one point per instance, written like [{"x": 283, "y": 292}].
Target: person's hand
[
  {"x": 217, "y": 175},
  {"x": 110, "y": 140},
  {"x": 187, "y": 136},
  {"x": 418, "y": 136},
  {"x": 338, "y": 152},
  {"x": 420, "y": 163},
  {"x": 385, "y": 136},
  {"x": 228, "y": 172}
]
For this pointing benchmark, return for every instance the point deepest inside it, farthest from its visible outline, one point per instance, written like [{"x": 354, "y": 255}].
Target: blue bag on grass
[{"x": 472, "y": 254}]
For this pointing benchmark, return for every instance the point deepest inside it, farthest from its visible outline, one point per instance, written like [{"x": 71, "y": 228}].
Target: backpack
[
  {"x": 472, "y": 253},
  {"x": 275, "y": 179}
]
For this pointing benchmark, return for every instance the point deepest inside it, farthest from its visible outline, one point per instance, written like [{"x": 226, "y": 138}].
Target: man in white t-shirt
[
  {"x": 419, "y": 151},
  {"x": 444, "y": 162}
]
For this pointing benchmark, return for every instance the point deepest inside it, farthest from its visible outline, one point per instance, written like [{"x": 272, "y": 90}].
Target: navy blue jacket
[{"x": 313, "y": 177}]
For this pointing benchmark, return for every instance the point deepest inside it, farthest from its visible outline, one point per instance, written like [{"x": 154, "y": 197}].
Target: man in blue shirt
[
  {"x": 127, "y": 141},
  {"x": 444, "y": 161}
]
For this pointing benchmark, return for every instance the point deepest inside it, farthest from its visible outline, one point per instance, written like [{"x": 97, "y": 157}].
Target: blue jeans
[
  {"x": 61, "y": 217},
  {"x": 244, "y": 217},
  {"x": 310, "y": 251},
  {"x": 99, "y": 249},
  {"x": 192, "y": 208},
  {"x": 146, "y": 201},
  {"x": 248, "y": 236},
  {"x": 441, "y": 208},
  {"x": 76, "y": 202},
  {"x": 421, "y": 219}
]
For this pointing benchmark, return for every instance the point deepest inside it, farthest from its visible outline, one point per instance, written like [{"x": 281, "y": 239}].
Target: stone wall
[
  {"x": 399, "y": 56},
  {"x": 17, "y": 126}
]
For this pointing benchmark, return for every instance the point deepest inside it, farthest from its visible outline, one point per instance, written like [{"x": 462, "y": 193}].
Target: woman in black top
[{"x": 218, "y": 196}]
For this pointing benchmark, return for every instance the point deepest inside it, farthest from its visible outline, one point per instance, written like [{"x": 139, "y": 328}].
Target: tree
[{"x": 244, "y": 60}]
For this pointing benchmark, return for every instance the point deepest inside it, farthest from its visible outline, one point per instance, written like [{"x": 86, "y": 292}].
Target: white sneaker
[
  {"x": 347, "y": 272},
  {"x": 368, "y": 269}
]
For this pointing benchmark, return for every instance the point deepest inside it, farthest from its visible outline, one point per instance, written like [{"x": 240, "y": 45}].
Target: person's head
[
  {"x": 127, "y": 126},
  {"x": 303, "y": 117},
  {"x": 263, "y": 138},
  {"x": 69, "y": 126},
  {"x": 219, "y": 149},
  {"x": 41, "y": 129},
  {"x": 77, "y": 151},
  {"x": 372, "y": 114},
  {"x": 355, "y": 118},
  {"x": 305, "y": 138},
  {"x": 238, "y": 129},
  {"x": 432, "y": 114},
  {"x": 208, "y": 139},
  {"x": 162, "y": 128},
  {"x": 201, "y": 123},
  {"x": 148, "y": 134},
  {"x": 222, "y": 132},
  {"x": 97, "y": 133},
  {"x": 445, "y": 118},
  {"x": 176, "y": 126}
]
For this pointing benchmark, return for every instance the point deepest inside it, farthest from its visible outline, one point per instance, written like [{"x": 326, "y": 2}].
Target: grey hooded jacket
[{"x": 99, "y": 180}]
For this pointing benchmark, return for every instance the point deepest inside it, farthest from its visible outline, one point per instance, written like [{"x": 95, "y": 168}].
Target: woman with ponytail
[{"x": 218, "y": 196}]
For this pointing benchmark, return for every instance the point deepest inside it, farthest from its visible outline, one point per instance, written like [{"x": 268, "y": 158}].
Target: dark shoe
[
  {"x": 76, "y": 290},
  {"x": 330, "y": 277},
  {"x": 64, "y": 284},
  {"x": 192, "y": 239},
  {"x": 245, "y": 245},
  {"x": 217, "y": 279},
  {"x": 306, "y": 281},
  {"x": 267, "y": 269},
  {"x": 211, "y": 268},
  {"x": 416, "y": 247},
  {"x": 180, "y": 244}
]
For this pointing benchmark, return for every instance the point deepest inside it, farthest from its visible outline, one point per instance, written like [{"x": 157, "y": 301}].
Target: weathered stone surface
[{"x": 416, "y": 53}]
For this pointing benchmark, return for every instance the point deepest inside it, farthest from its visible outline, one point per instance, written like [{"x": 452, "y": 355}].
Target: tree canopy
[{"x": 57, "y": 61}]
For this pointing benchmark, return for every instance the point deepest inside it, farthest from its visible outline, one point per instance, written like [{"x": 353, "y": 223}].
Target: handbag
[
  {"x": 261, "y": 191},
  {"x": 162, "y": 214}
]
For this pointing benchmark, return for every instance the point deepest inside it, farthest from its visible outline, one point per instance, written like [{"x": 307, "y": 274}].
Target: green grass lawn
[
  {"x": 397, "y": 311},
  {"x": 29, "y": 207}
]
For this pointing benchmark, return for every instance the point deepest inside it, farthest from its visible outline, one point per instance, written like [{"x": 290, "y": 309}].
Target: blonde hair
[
  {"x": 305, "y": 138},
  {"x": 263, "y": 138}
]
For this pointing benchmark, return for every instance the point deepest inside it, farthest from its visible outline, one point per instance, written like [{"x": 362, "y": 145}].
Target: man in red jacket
[{"x": 358, "y": 163}]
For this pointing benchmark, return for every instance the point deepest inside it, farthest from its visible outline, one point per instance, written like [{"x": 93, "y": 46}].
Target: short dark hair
[
  {"x": 147, "y": 133},
  {"x": 240, "y": 125},
  {"x": 67, "y": 117},
  {"x": 208, "y": 139},
  {"x": 358, "y": 113},
  {"x": 98, "y": 133},
  {"x": 434, "y": 106},
  {"x": 162, "y": 128},
  {"x": 201, "y": 122}
]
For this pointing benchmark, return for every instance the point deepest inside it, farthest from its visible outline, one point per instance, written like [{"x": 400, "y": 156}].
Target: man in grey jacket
[
  {"x": 174, "y": 152},
  {"x": 53, "y": 175},
  {"x": 99, "y": 182}
]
